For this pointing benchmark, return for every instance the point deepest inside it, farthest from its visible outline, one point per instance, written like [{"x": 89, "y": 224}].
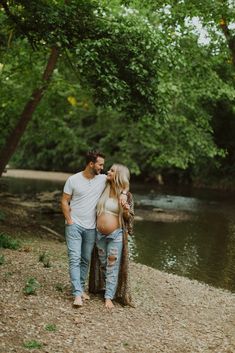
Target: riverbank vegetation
[{"x": 150, "y": 84}]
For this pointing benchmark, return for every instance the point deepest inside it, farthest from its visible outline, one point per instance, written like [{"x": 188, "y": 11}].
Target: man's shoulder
[{"x": 74, "y": 177}]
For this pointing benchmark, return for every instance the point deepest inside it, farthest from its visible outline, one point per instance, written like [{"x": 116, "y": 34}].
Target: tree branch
[
  {"x": 16, "y": 21},
  {"x": 230, "y": 39}
]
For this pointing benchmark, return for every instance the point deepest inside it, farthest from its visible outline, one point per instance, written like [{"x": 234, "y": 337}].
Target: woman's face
[{"x": 111, "y": 174}]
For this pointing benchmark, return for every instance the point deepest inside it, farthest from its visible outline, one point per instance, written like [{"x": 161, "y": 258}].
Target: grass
[
  {"x": 2, "y": 216},
  {"x": 31, "y": 286},
  {"x": 8, "y": 242},
  {"x": 44, "y": 258},
  {"x": 50, "y": 327},
  {"x": 32, "y": 344}
]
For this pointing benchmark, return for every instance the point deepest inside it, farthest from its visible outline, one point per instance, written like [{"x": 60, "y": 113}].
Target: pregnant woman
[{"x": 114, "y": 222}]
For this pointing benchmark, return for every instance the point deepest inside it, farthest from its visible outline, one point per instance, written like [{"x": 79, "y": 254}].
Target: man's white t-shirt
[{"x": 85, "y": 195}]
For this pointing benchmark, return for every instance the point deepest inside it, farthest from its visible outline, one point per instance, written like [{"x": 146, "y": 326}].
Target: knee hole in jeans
[{"x": 111, "y": 260}]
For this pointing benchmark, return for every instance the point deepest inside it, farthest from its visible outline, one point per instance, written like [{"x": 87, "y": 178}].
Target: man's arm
[{"x": 66, "y": 208}]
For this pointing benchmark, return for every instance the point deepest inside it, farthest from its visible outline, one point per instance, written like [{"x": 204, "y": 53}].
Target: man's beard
[{"x": 96, "y": 172}]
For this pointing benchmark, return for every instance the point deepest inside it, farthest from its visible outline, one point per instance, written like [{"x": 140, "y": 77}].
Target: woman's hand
[
  {"x": 122, "y": 198},
  {"x": 125, "y": 206}
]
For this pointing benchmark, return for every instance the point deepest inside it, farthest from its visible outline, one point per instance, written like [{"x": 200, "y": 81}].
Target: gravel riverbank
[{"x": 172, "y": 314}]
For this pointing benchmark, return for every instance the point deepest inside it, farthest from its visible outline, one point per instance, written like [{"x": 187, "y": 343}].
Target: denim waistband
[{"x": 116, "y": 233}]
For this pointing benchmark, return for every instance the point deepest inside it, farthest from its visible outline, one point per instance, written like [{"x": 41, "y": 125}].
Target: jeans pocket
[{"x": 69, "y": 229}]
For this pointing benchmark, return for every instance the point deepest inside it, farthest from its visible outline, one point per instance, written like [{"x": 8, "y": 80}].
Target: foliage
[
  {"x": 33, "y": 344},
  {"x": 116, "y": 68},
  {"x": 108, "y": 50},
  {"x": 31, "y": 286},
  {"x": 8, "y": 242},
  {"x": 134, "y": 79},
  {"x": 17, "y": 82},
  {"x": 200, "y": 41},
  {"x": 2, "y": 216},
  {"x": 44, "y": 258},
  {"x": 50, "y": 327}
]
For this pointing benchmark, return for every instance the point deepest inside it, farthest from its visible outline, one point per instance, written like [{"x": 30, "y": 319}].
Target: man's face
[{"x": 98, "y": 166}]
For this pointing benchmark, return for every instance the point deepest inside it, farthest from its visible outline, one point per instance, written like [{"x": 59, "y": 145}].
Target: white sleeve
[{"x": 68, "y": 189}]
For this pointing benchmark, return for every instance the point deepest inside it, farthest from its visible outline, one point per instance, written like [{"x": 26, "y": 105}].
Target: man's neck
[{"x": 88, "y": 174}]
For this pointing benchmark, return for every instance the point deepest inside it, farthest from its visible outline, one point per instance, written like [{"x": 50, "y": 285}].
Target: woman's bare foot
[
  {"x": 77, "y": 301},
  {"x": 85, "y": 296},
  {"x": 109, "y": 304}
]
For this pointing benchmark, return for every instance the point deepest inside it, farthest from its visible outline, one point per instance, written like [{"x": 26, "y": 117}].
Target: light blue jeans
[
  {"x": 80, "y": 242},
  {"x": 110, "y": 252}
]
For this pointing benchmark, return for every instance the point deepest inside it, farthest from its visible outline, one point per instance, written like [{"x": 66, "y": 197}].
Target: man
[{"x": 80, "y": 197}]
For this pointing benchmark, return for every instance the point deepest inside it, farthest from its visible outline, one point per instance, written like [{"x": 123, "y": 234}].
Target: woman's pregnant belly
[{"x": 107, "y": 223}]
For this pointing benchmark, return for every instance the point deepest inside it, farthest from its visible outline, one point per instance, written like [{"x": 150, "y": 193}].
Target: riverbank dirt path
[
  {"x": 36, "y": 174},
  {"x": 172, "y": 315}
]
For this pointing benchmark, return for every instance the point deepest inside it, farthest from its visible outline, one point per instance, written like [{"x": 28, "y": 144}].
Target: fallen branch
[{"x": 52, "y": 231}]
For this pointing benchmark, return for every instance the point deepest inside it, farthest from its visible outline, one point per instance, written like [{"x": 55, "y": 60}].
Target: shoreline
[
  {"x": 62, "y": 176},
  {"x": 156, "y": 215},
  {"x": 36, "y": 174}
]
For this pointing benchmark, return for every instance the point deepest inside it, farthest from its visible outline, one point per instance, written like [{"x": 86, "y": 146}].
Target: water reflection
[
  {"x": 202, "y": 249},
  {"x": 30, "y": 187},
  {"x": 169, "y": 202}
]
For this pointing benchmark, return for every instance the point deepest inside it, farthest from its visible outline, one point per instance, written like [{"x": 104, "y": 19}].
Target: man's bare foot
[
  {"x": 85, "y": 296},
  {"x": 77, "y": 301},
  {"x": 109, "y": 304}
]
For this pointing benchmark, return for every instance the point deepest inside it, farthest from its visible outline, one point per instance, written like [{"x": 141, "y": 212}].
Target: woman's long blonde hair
[{"x": 120, "y": 183}]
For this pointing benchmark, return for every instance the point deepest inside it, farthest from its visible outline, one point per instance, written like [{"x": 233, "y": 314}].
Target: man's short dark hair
[{"x": 91, "y": 156}]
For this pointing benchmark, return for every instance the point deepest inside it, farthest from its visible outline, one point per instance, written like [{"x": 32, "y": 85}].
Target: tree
[
  {"x": 84, "y": 28},
  {"x": 207, "y": 74},
  {"x": 148, "y": 80},
  {"x": 16, "y": 134}
]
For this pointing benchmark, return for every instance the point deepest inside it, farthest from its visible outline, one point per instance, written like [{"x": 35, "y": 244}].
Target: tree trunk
[
  {"x": 14, "y": 137},
  {"x": 230, "y": 39}
]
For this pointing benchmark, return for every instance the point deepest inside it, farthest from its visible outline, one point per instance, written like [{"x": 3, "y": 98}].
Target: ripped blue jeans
[{"x": 110, "y": 252}]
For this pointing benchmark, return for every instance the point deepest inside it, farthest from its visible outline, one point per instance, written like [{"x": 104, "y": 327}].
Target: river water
[{"x": 201, "y": 248}]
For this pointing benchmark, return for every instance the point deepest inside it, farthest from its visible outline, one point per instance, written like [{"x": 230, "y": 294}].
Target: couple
[{"x": 98, "y": 210}]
